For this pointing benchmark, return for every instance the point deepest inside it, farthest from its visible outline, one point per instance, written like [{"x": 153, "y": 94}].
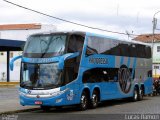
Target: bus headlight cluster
[
  {"x": 22, "y": 93},
  {"x": 44, "y": 95},
  {"x": 58, "y": 93}
]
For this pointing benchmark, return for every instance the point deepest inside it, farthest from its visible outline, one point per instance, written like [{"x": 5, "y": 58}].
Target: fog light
[{"x": 59, "y": 100}]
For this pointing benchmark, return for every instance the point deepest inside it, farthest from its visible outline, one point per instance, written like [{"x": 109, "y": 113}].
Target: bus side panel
[
  {"x": 148, "y": 84},
  {"x": 143, "y": 74},
  {"x": 72, "y": 94}
]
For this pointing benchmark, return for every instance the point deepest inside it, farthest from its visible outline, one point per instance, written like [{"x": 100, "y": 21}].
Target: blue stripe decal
[
  {"x": 121, "y": 61},
  {"x": 128, "y": 63},
  {"x": 133, "y": 67}
]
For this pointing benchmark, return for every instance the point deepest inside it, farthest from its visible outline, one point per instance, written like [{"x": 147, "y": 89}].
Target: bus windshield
[
  {"x": 45, "y": 45},
  {"x": 40, "y": 76}
]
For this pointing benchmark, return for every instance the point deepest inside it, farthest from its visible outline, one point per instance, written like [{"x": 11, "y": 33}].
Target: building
[
  {"x": 148, "y": 38},
  {"x": 22, "y": 31},
  {"x": 18, "y": 32}
]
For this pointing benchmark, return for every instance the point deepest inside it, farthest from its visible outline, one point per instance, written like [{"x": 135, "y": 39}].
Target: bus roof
[
  {"x": 113, "y": 38},
  {"x": 61, "y": 32},
  {"x": 83, "y": 33}
]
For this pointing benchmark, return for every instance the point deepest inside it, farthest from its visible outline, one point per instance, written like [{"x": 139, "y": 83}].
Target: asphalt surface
[
  {"x": 107, "y": 110},
  {"x": 150, "y": 105},
  {"x": 149, "y": 109},
  {"x": 9, "y": 100}
]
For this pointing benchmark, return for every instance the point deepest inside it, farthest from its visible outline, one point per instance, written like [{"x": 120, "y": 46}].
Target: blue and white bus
[{"x": 80, "y": 68}]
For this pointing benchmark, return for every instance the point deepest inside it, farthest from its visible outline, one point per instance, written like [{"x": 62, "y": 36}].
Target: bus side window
[
  {"x": 115, "y": 50},
  {"x": 71, "y": 70},
  {"x": 75, "y": 44},
  {"x": 132, "y": 50},
  {"x": 124, "y": 46},
  {"x": 91, "y": 51},
  {"x": 148, "y": 52},
  {"x": 100, "y": 75},
  {"x": 92, "y": 46}
]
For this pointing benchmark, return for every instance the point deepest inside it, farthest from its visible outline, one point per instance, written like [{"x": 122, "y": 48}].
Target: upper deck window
[{"x": 45, "y": 45}]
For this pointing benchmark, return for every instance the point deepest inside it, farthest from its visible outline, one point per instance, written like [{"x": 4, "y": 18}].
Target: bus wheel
[
  {"x": 94, "y": 99},
  {"x": 45, "y": 108},
  {"x": 84, "y": 101},
  {"x": 141, "y": 94},
  {"x": 135, "y": 95}
]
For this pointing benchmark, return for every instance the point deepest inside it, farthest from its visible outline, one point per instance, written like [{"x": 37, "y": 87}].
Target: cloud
[
  {"x": 125, "y": 22},
  {"x": 115, "y": 15}
]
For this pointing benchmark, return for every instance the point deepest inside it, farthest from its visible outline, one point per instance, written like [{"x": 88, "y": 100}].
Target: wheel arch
[
  {"x": 136, "y": 86},
  {"x": 143, "y": 88},
  {"x": 87, "y": 90},
  {"x": 97, "y": 88}
]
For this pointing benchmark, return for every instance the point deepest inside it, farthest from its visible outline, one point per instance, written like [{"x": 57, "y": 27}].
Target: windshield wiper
[
  {"x": 25, "y": 85},
  {"x": 60, "y": 51},
  {"x": 46, "y": 49},
  {"x": 48, "y": 45}
]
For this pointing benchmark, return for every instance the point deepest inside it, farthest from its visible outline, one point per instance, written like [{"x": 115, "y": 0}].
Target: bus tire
[
  {"x": 135, "y": 95},
  {"x": 141, "y": 94},
  {"x": 94, "y": 99},
  {"x": 84, "y": 101},
  {"x": 45, "y": 108}
]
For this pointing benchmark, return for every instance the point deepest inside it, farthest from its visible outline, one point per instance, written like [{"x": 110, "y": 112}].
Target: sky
[{"x": 127, "y": 16}]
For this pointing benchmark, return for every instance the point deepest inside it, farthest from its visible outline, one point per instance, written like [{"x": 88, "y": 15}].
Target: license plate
[{"x": 38, "y": 102}]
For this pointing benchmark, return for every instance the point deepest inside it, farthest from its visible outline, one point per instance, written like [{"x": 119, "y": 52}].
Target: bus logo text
[{"x": 98, "y": 60}]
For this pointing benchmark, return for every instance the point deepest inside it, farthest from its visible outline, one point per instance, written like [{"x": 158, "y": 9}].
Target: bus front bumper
[{"x": 57, "y": 100}]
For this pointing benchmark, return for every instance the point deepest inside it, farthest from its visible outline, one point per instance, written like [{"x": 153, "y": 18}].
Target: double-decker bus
[{"x": 81, "y": 68}]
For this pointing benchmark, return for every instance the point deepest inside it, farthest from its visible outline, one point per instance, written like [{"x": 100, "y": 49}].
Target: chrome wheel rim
[
  {"x": 135, "y": 95},
  {"x": 94, "y": 100},
  {"x": 141, "y": 94},
  {"x": 83, "y": 101}
]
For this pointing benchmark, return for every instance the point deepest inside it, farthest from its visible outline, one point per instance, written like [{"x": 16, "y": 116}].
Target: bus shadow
[
  {"x": 104, "y": 104},
  {"x": 110, "y": 103},
  {"x": 74, "y": 109}
]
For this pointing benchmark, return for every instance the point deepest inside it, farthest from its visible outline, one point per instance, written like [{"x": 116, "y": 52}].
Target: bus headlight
[
  {"x": 44, "y": 95},
  {"x": 59, "y": 92},
  {"x": 22, "y": 94}
]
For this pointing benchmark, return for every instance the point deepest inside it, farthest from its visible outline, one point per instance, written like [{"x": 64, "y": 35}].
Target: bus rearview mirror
[{"x": 11, "y": 64}]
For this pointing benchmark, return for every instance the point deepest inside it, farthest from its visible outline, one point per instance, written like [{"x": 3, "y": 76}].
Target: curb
[
  {"x": 9, "y": 84},
  {"x": 18, "y": 111}
]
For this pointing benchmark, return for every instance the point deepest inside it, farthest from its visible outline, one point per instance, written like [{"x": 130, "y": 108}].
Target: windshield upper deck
[{"x": 45, "y": 45}]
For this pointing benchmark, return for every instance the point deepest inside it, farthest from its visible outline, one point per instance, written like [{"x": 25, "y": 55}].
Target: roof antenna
[{"x": 127, "y": 34}]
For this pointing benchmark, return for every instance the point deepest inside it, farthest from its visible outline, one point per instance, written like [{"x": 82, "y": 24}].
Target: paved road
[
  {"x": 150, "y": 105},
  {"x": 9, "y": 100},
  {"x": 115, "y": 109}
]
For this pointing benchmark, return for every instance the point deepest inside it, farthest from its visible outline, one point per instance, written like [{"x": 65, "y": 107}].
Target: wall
[
  {"x": 17, "y": 35},
  {"x": 23, "y": 34},
  {"x": 156, "y": 60}
]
